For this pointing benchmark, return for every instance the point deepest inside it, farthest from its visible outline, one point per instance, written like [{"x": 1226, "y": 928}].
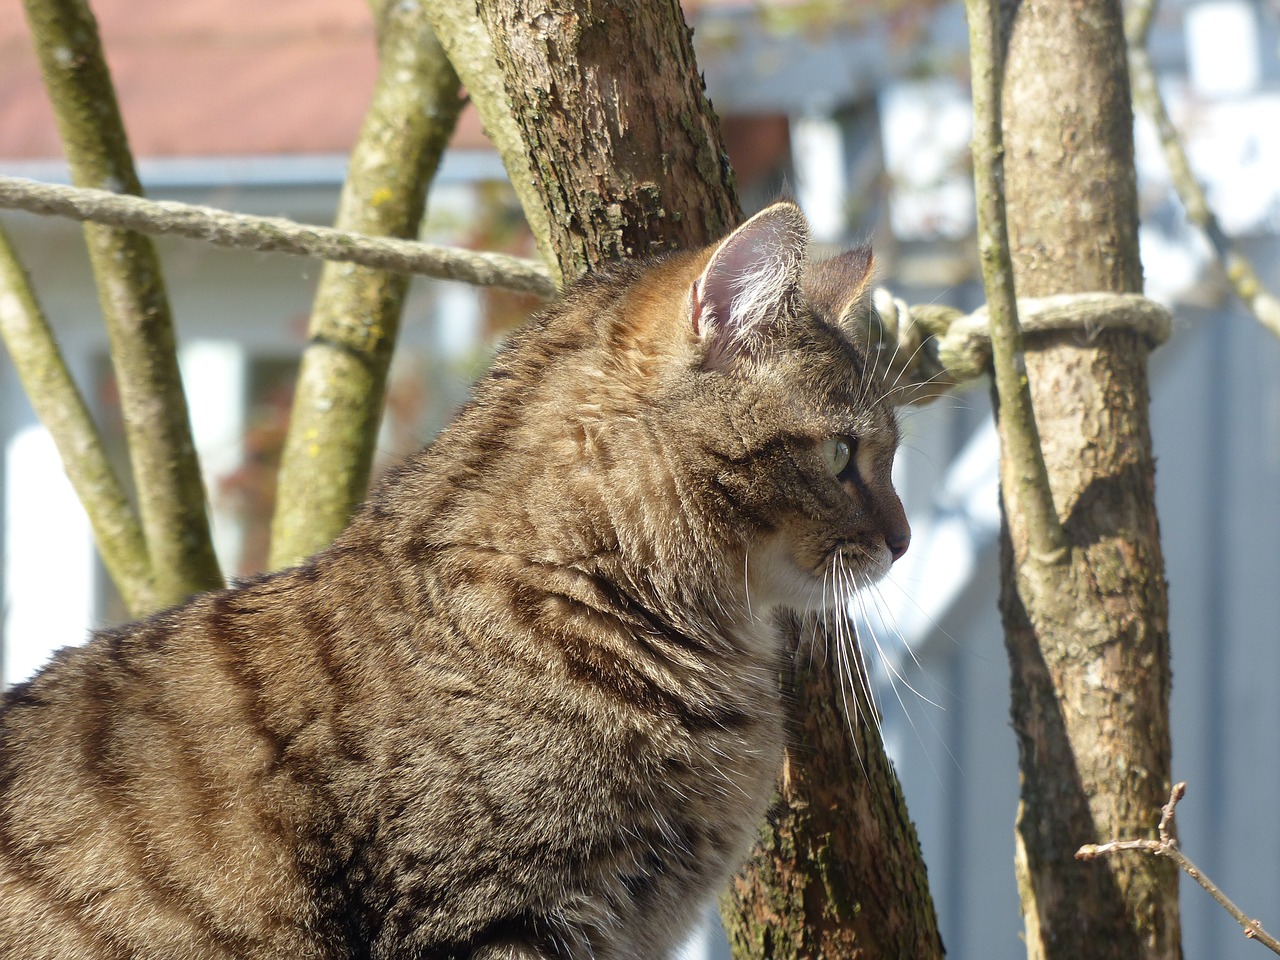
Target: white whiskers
[{"x": 852, "y": 626}]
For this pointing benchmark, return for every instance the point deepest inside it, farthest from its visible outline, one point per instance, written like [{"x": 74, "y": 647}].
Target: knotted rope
[{"x": 925, "y": 349}]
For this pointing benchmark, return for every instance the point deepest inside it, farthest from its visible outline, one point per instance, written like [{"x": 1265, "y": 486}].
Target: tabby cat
[{"x": 527, "y": 705}]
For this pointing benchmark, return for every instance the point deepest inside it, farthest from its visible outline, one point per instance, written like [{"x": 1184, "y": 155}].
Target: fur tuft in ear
[
  {"x": 839, "y": 289},
  {"x": 751, "y": 281}
]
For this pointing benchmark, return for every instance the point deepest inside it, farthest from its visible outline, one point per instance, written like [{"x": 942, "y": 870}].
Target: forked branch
[{"x": 1167, "y": 846}]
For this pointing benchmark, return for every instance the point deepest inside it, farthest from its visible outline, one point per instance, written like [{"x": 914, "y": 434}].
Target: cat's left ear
[
  {"x": 839, "y": 289},
  {"x": 750, "y": 283}
]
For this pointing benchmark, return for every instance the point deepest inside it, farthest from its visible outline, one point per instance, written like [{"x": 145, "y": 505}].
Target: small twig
[
  {"x": 1167, "y": 846},
  {"x": 1047, "y": 541},
  {"x": 275, "y": 234},
  {"x": 1146, "y": 97},
  {"x": 1166, "y": 812}
]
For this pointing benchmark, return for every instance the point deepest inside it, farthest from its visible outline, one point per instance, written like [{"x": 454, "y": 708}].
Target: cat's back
[{"x": 132, "y": 814}]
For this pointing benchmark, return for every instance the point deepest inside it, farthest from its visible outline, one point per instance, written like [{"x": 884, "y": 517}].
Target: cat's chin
[{"x": 775, "y": 580}]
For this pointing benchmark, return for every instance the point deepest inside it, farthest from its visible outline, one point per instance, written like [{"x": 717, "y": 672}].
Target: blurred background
[{"x": 862, "y": 113}]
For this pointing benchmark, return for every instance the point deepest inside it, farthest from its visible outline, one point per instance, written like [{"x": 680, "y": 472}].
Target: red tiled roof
[
  {"x": 235, "y": 78},
  {"x": 211, "y": 77}
]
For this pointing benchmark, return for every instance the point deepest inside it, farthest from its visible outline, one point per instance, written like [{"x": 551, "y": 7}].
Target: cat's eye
[{"x": 837, "y": 454}]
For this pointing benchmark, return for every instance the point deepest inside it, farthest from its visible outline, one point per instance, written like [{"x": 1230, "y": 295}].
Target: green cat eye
[{"x": 836, "y": 454}]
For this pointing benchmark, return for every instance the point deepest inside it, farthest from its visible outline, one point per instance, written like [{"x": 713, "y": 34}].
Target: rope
[
  {"x": 275, "y": 233},
  {"x": 923, "y": 349}
]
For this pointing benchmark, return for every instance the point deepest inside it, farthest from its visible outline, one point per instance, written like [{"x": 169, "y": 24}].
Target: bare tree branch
[
  {"x": 328, "y": 452},
  {"x": 61, "y": 408},
  {"x": 276, "y": 234},
  {"x": 135, "y": 307},
  {"x": 1167, "y": 846},
  {"x": 1261, "y": 302},
  {"x": 1047, "y": 541}
]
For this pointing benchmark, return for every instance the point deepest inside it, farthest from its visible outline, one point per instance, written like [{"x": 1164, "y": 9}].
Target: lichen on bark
[{"x": 355, "y": 318}]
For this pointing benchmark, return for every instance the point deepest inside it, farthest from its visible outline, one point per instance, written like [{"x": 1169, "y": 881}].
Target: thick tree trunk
[
  {"x": 1088, "y": 637},
  {"x": 628, "y": 159},
  {"x": 837, "y": 872},
  {"x": 625, "y": 149}
]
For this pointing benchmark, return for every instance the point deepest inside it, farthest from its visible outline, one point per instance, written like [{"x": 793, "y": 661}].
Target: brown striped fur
[{"x": 527, "y": 705}]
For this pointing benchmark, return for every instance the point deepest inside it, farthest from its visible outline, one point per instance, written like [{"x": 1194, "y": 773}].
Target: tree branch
[
  {"x": 466, "y": 42},
  {"x": 1167, "y": 846},
  {"x": 276, "y": 234},
  {"x": 61, "y": 408},
  {"x": 1146, "y": 96},
  {"x": 324, "y": 471},
  {"x": 621, "y": 156},
  {"x": 134, "y": 305},
  {"x": 1046, "y": 540}
]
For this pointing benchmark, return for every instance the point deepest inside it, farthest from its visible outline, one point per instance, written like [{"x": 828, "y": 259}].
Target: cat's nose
[{"x": 897, "y": 543}]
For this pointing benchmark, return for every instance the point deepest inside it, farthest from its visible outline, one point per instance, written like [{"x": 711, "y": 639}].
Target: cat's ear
[
  {"x": 839, "y": 289},
  {"x": 750, "y": 283}
]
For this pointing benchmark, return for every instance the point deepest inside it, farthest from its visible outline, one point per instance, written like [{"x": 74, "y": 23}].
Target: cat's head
[{"x": 749, "y": 426}]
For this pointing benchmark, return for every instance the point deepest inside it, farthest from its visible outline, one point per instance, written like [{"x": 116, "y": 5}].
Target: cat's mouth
[{"x": 854, "y": 566}]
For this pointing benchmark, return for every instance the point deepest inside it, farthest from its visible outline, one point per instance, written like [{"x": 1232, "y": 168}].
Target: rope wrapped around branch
[{"x": 923, "y": 350}]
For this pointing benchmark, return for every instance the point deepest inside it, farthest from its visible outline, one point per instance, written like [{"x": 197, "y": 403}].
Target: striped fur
[{"x": 526, "y": 706}]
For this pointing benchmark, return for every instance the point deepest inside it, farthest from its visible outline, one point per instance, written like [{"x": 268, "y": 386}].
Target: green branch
[
  {"x": 134, "y": 305},
  {"x": 1046, "y": 539},
  {"x": 329, "y": 449},
  {"x": 61, "y": 408}
]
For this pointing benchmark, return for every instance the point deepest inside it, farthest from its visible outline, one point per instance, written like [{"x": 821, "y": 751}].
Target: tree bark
[
  {"x": 625, "y": 149},
  {"x": 838, "y": 871},
  {"x": 629, "y": 161},
  {"x": 1087, "y": 637}
]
